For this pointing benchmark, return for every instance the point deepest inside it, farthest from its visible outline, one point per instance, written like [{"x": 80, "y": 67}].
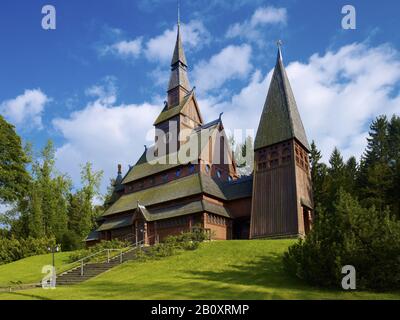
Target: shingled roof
[
  {"x": 179, "y": 66},
  {"x": 280, "y": 119},
  {"x": 168, "y": 113},
  {"x": 194, "y": 184},
  {"x": 143, "y": 168}
]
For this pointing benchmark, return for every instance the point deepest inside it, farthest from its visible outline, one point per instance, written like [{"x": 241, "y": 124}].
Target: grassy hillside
[
  {"x": 29, "y": 270},
  {"x": 218, "y": 270}
]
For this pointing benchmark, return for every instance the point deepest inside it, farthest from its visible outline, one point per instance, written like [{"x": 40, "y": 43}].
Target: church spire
[
  {"x": 179, "y": 85},
  {"x": 280, "y": 120}
]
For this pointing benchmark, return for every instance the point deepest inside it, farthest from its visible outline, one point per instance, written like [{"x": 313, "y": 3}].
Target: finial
[
  {"x": 145, "y": 147},
  {"x": 119, "y": 169},
  {"x": 220, "y": 116},
  {"x": 279, "y": 44},
  {"x": 179, "y": 14}
]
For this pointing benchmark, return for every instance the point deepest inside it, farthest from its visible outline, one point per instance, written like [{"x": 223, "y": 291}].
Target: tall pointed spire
[
  {"x": 179, "y": 84},
  {"x": 280, "y": 120}
]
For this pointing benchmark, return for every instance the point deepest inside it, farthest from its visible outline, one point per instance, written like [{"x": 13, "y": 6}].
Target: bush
[
  {"x": 112, "y": 244},
  {"x": 15, "y": 249},
  {"x": 349, "y": 235},
  {"x": 172, "y": 244}
]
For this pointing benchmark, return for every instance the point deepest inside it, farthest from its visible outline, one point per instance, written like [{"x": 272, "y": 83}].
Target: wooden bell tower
[{"x": 282, "y": 201}]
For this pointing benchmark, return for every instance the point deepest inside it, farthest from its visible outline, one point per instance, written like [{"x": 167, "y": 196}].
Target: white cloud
[
  {"x": 104, "y": 134},
  {"x": 125, "y": 49},
  {"x": 251, "y": 29},
  {"x": 26, "y": 109},
  {"x": 337, "y": 94},
  {"x": 194, "y": 36},
  {"x": 233, "y": 62}
]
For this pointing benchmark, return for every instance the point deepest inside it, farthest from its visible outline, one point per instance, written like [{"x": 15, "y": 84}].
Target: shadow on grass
[
  {"x": 28, "y": 295},
  {"x": 267, "y": 272}
]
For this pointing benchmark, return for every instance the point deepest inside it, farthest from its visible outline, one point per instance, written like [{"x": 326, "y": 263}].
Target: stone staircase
[{"x": 91, "y": 270}]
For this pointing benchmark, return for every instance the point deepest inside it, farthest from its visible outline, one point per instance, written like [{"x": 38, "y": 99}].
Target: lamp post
[{"x": 53, "y": 250}]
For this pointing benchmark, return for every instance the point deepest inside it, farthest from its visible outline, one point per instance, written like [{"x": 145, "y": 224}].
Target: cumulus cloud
[
  {"x": 233, "y": 62},
  {"x": 194, "y": 36},
  {"x": 104, "y": 134},
  {"x": 337, "y": 93},
  {"x": 26, "y": 109},
  {"x": 125, "y": 48},
  {"x": 251, "y": 29}
]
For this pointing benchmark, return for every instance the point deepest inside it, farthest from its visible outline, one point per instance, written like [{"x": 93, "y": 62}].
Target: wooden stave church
[{"x": 153, "y": 201}]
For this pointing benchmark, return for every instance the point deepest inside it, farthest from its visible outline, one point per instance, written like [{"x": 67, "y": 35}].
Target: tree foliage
[
  {"x": 14, "y": 178},
  {"x": 357, "y": 220}
]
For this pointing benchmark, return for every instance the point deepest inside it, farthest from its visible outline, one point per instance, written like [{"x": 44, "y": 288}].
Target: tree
[
  {"x": 376, "y": 176},
  {"x": 318, "y": 176},
  {"x": 348, "y": 234},
  {"x": 90, "y": 192},
  {"x": 14, "y": 178},
  {"x": 336, "y": 176},
  {"x": 394, "y": 164},
  {"x": 351, "y": 174}
]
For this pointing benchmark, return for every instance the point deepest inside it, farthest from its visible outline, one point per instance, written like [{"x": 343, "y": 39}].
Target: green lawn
[
  {"x": 217, "y": 270},
  {"x": 29, "y": 270}
]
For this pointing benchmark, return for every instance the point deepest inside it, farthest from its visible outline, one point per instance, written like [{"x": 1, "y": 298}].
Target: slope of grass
[
  {"x": 217, "y": 270},
  {"x": 29, "y": 270}
]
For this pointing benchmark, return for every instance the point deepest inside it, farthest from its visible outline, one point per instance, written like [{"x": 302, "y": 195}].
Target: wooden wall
[{"x": 274, "y": 203}]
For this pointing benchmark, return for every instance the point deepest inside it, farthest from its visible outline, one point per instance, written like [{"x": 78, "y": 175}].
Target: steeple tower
[
  {"x": 282, "y": 201},
  {"x": 179, "y": 85}
]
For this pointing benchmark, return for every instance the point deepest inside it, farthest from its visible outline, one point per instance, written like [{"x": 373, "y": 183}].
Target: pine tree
[
  {"x": 336, "y": 176},
  {"x": 375, "y": 178},
  {"x": 394, "y": 164},
  {"x": 351, "y": 174},
  {"x": 318, "y": 176}
]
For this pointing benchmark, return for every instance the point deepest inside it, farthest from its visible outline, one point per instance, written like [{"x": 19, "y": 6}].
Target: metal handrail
[{"x": 81, "y": 261}]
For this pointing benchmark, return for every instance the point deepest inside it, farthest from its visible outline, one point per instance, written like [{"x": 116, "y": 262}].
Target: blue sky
[{"x": 96, "y": 83}]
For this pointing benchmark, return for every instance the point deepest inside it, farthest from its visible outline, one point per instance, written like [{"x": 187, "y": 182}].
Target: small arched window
[
  {"x": 208, "y": 168},
  {"x": 230, "y": 178},
  {"x": 219, "y": 174}
]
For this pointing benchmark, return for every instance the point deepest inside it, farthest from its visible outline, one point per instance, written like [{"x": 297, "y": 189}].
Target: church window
[
  {"x": 219, "y": 174},
  {"x": 208, "y": 168},
  {"x": 230, "y": 178}
]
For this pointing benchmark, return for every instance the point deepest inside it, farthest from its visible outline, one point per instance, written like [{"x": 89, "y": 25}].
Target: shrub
[
  {"x": 112, "y": 244},
  {"x": 349, "y": 235},
  {"x": 14, "y": 249},
  {"x": 172, "y": 244}
]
